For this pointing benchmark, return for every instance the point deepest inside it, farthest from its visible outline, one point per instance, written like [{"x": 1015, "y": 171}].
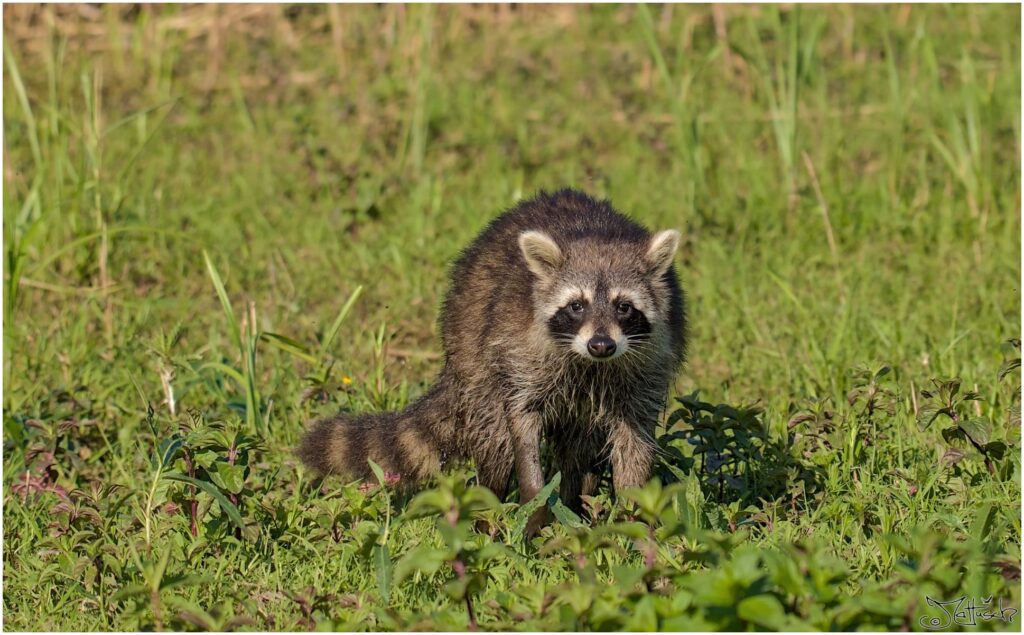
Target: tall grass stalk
[{"x": 245, "y": 335}]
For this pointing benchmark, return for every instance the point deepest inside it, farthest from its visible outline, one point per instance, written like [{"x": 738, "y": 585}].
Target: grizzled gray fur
[{"x": 564, "y": 322}]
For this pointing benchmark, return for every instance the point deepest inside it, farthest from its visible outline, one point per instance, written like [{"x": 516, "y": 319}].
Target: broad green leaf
[
  {"x": 979, "y": 430},
  {"x": 130, "y": 591},
  {"x": 525, "y": 511},
  {"x": 426, "y": 560},
  {"x": 578, "y": 596},
  {"x": 166, "y": 451},
  {"x": 982, "y": 524},
  {"x": 1008, "y": 367},
  {"x": 565, "y": 515},
  {"x": 493, "y": 550},
  {"x": 230, "y": 478},
  {"x": 382, "y": 566},
  {"x": 209, "y": 488},
  {"x": 763, "y": 610},
  {"x": 378, "y": 471},
  {"x": 428, "y": 503},
  {"x": 480, "y": 498},
  {"x": 644, "y": 617},
  {"x": 634, "y": 530},
  {"x": 183, "y": 580},
  {"x": 996, "y": 449},
  {"x": 881, "y": 603},
  {"x": 205, "y": 459},
  {"x": 627, "y": 577},
  {"x": 927, "y": 413}
]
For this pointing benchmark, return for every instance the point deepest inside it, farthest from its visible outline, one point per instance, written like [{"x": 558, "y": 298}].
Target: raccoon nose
[{"x": 601, "y": 346}]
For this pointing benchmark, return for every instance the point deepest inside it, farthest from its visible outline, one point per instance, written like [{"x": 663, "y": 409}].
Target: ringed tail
[{"x": 403, "y": 443}]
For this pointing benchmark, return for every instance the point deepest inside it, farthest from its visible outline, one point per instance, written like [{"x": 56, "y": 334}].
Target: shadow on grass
[{"x": 739, "y": 462}]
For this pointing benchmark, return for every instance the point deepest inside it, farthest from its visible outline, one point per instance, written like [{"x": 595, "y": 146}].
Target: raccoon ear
[
  {"x": 542, "y": 254},
  {"x": 661, "y": 250}
]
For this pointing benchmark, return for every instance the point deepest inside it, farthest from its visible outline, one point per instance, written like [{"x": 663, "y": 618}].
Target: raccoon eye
[
  {"x": 624, "y": 308},
  {"x": 576, "y": 307}
]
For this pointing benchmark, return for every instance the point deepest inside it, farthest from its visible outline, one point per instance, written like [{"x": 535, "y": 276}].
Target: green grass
[{"x": 189, "y": 209}]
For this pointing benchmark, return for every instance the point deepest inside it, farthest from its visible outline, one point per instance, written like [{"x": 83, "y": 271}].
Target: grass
[{"x": 223, "y": 222}]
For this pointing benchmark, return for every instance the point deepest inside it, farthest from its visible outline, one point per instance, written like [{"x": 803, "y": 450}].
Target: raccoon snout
[{"x": 601, "y": 346}]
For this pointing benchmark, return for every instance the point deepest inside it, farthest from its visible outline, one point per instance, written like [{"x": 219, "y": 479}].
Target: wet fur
[{"x": 507, "y": 382}]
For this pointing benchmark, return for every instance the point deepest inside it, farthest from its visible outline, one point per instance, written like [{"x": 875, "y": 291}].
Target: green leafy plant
[
  {"x": 945, "y": 400},
  {"x": 464, "y": 553}
]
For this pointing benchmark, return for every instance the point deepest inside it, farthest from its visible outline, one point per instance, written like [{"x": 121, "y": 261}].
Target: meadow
[{"x": 221, "y": 223}]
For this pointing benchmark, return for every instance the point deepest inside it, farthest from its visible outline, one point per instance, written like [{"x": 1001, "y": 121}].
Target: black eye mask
[
  {"x": 566, "y": 321},
  {"x": 635, "y": 323}
]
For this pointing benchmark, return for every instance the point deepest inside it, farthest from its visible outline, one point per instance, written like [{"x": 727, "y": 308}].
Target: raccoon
[{"x": 564, "y": 322}]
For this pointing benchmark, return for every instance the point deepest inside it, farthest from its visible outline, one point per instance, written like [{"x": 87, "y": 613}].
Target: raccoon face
[{"x": 601, "y": 300}]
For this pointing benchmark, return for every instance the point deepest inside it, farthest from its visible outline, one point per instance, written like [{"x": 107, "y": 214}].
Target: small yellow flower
[{"x": 345, "y": 379}]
